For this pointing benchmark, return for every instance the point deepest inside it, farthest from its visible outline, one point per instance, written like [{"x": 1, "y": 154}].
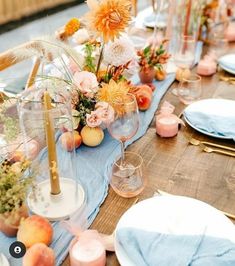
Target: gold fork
[
  {"x": 197, "y": 142},
  {"x": 210, "y": 150}
]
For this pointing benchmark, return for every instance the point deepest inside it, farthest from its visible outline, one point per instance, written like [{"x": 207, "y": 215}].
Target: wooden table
[{"x": 175, "y": 166}]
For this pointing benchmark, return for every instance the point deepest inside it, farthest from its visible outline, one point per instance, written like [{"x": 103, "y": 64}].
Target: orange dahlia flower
[{"x": 108, "y": 18}]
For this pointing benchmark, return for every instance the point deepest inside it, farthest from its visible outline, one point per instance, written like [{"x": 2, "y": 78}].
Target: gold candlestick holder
[{"x": 45, "y": 119}]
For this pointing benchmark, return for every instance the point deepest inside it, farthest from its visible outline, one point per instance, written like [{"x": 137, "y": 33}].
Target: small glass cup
[
  {"x": 185, "y": 54},
  {"x": 127, "y": 180},
  {"x": 190, "y": 89}
]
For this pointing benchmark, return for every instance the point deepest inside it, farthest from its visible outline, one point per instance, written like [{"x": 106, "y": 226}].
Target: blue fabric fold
[{"x": 145, "y": 248}]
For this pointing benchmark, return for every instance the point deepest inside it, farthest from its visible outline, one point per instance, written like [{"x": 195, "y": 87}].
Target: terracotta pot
[
  {"x": 10, "y": 229},
  {"x": 147, "y": 76}
]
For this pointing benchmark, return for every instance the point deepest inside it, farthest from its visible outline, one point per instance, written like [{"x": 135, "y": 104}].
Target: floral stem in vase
[
  {"x": 100, "y": 59},
  {"x": 187, "y": 20}
]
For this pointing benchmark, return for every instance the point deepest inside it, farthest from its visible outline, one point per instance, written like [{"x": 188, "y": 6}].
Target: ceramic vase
[
  {"x": 9, "y": 225},
  {"x": 147, "y": 75}
]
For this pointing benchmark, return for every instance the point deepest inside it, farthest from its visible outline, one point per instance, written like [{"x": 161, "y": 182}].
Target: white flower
[
  {"x": 81, "y": 36},
  {"x": 119, "y": 52}
]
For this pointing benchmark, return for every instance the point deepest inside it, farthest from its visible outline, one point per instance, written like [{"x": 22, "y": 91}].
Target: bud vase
[
  {"x": 147, "y": 75},
  {"x": 9, "y": 222}
]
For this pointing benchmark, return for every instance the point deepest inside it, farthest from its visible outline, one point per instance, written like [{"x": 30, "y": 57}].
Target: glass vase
[
  {"x": 49, "y": 142},
  {"x": 184, "y": 18}
]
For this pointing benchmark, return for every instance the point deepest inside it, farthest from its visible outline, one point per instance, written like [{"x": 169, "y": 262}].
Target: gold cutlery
[
  {"x": 210, "y": 150},
  {"x": 163, "y": 193},
  {"x": 197, "y": 142},
  {"x": 228, "y": 79}
]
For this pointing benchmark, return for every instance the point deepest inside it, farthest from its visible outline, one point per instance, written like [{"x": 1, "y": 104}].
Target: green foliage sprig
[
  {"x": 15, "y": 180},
  {"x": 8, "y": 121},
  {"x": 89, "y": 58},
  {"x": 152, "y": 56}
]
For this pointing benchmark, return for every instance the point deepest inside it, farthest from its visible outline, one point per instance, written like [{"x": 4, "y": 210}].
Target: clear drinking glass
[
  {"x": 185, "y": 54},
  {"x": 128, "y": 180},
  {"x": 218, "y": 43},
  {"x": 190, "y": 89},
  {"x": 126, "y": 121}
]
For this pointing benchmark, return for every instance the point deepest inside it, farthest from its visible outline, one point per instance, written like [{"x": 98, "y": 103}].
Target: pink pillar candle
[
  {"x": 167, "y": 126},
  {"x": 206, "y": 67},
  {"x": 230, "y": 32},
  {"x": 87, "y": 253}
]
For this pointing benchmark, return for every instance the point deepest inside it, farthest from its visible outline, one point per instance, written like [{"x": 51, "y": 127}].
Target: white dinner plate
[
  {"x": 227, "y": 62},
  {"x": 229, "y": 70},
  {"x": 174, "y": 215},
  {"x": 211, "y": 107}
]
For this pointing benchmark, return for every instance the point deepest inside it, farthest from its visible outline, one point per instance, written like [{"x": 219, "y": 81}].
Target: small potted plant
[
  {"x": 151, "y": 59},
  {"x": 15, "y": 180}
]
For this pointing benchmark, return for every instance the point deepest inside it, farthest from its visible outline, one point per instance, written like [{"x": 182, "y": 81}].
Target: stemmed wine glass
[
  {"x": 126, "y": 121},
  {"x": 127, "y": 176}
]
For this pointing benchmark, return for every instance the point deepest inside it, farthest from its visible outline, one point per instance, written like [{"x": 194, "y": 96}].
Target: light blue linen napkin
[
  {"x": 152, "y": 248},
  {"x": 215, "y": 116}
]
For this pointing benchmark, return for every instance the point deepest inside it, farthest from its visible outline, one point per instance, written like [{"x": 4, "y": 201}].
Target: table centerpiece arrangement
[{"x": 97, "y": 79}]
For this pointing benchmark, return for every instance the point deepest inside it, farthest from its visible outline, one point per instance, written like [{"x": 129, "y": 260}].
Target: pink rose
[
  {"x": 93, "y": 119},
  {"x": 86, "y": 82},
  {"x": 105, "y": 112}
]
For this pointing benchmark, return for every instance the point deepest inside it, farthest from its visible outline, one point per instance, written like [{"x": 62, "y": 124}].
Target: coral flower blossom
[{"x": 108, "y": 18}]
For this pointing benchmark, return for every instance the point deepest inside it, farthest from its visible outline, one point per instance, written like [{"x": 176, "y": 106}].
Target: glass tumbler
[
  {"x": 190, "y": 89},
  {"x": 128, "y": 180}
]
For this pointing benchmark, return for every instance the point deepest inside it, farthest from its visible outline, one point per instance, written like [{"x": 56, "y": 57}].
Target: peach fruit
[
  {"x": 39, "y": 255},
  {"x": 182, "y": 74},
  {"x": 70, "y": 140},
  {"x": 92, "y": 136},
  {"x": 160, "y": 74},
  {"x": 35, "y": 229},
  {"x": 152, "y": 86},
  {"x": 144, "y": 100},
  {"x": 144, "y": 87},
  {"x": 17, "y": 156}
]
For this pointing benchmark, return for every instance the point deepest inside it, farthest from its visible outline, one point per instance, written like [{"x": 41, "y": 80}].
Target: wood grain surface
[{"x": 175, "y": 166}]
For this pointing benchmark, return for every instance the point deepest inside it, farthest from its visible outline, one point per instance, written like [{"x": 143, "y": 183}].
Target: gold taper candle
[{"x": 52, "y": 158}]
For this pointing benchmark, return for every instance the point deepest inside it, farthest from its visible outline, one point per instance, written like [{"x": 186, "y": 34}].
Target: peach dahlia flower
[{"x": 108, "y": 18}]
